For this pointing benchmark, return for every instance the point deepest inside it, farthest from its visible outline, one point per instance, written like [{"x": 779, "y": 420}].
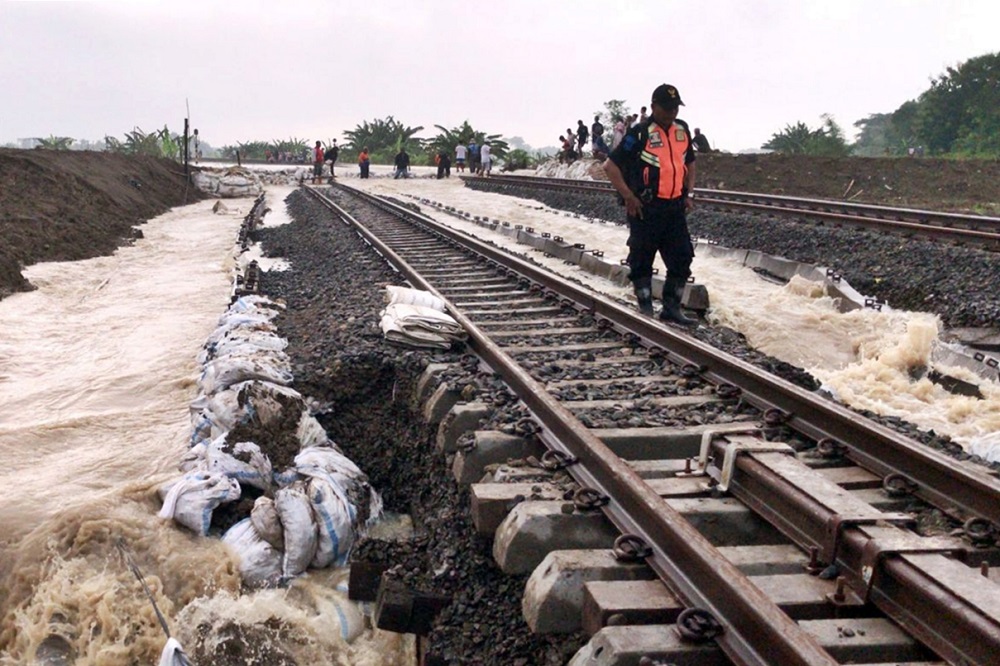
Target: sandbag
[
  {"x": 267, "y": 522},
  {"x": 251, "y": 401},
  {"x": 310, "y": 433},
  {"x": 223, "y": 372},
  {"x": 300, "y": 532},
  {"x": 406, "y": 296},
  {"x": 242, "y": 461},
  {"x": 191, "y": 499},
  {"x": 260, "y": 562},
  {"x": 335, "y": 521},
  {"x": 329, "y": 464}
]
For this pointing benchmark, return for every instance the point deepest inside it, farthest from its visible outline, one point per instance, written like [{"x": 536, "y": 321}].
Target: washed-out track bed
[{"x": 665, "y": 501}]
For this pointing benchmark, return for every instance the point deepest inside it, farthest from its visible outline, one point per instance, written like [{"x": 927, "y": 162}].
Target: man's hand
[
  {"x": 633, "y": 206},
  {"x": 688, "y": 204}
]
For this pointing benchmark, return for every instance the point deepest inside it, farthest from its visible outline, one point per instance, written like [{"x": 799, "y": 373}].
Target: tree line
[
  {"x": 383, "y": 138},
  {"x": 957, "y": 116}
]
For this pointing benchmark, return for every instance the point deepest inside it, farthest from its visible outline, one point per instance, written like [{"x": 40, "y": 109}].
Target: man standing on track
[
  {"x": 653, "y": 171},
  {"x": 485, "y": 160},
  {"x": 318, "y": 161},
  {"x": 460, "y": 158},
  {"x": 330, "y": 156}
]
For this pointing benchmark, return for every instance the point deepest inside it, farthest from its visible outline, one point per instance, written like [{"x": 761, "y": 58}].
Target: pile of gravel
[{"x": 961, "y": 285}]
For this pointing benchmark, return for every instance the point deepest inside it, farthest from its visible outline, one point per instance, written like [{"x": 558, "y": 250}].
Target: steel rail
[
  {"x": 953, "y": 227},
  {"x": 757, "y": 632},
  {"x": 939, "y": 600}
]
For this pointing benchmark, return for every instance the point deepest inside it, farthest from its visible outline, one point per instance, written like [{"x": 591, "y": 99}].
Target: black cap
[{"x": 667, "y": 95}]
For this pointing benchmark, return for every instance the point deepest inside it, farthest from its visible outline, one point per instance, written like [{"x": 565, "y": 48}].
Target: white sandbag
[
  {"x": 191, "y": 499},
  {"x": 254, "y": 401},
  {"x": 405, "y": 295},
  {"x": 300, "y": 534},
  {"x": 335, "y": 520},
  {"x": 327, "y": 459},
  {"x": 243, "y": 324},
  {"x": 225, "y": 371},
  {"x": 328, "y": 463},
  {"x": 255, "y": 302},
  {"x": 243, "y": 461},
  {"x": 194, "y": 459},
  {"x": 267, "y": 522},
  {"x": 310, "y": 433},
  {"x": 253, "y": 340},
  {"x": 260, "y": 562},
  {"x": 173, "y": 654}
]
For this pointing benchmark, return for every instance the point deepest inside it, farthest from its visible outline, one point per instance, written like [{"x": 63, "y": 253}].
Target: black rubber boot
[
  {"x": 672, "y": 290},
  {"x": 644, "y": 296}
]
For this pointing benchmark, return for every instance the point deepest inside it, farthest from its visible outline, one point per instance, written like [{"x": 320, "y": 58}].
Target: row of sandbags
[
  {"x": 417, "y": 318},
  {"x": 306, "y": 514}
]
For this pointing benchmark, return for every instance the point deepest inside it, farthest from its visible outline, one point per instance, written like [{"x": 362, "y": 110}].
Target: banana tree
[{"x": 55, "y": 142}]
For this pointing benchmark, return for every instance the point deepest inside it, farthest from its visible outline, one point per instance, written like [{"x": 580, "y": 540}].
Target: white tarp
[{"x": 420, "y": 326}]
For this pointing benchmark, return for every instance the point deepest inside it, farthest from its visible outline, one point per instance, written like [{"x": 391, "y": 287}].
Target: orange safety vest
[{"x": 663, "y": 155}]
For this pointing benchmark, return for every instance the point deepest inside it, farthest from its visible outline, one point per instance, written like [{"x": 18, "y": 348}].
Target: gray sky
[{"x": 531, "y": 68}]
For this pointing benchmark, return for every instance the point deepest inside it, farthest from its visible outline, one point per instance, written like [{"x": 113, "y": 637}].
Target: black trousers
[{"x": 663, "y": 228}]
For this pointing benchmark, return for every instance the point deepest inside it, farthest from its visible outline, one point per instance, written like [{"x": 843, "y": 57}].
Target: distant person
[
  {"x": 460, "y": 151},
  {"x": 643, "y": 116},
  {"x": 318, "y": 163},
  {"x": 364, "y": 163},
  {"x": 444, "y": 165},
  {"x": 700, "y": 142},
  {"x": 597, "y": 139},
  {"x": 473, "y": 156},
  {"x": 331, "y": 155},
  {"x": 653, "y": 171},
  {"x": 582, "y": 136},
  {"x": 618, "y": 132},
  {"x": 485, "y": 160},
  {"x": 402, "y": 163},
  {"x": 566, "y": 155}
]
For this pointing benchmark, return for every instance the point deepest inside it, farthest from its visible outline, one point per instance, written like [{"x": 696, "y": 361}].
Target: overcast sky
[{"x": 278, "y": 69}]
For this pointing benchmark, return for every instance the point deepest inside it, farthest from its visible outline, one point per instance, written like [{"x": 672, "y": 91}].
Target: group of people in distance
[
  {"x": 479, "y": 160},
  {"x": 572, "y": 143},
  {"x": 321, "y": 156}
]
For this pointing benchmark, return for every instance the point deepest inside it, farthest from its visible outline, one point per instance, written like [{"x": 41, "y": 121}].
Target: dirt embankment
[
  {"x": 936, "y": 184},
  {"x": 68, "y": 205}
]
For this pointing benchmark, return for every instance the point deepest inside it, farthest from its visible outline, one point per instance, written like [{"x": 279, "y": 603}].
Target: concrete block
[
  {"x": 491, "y": 502},
  {"x": 427, "y": 382},
  {"x": 553, "y": 596},
  {"x": 627, "y": 602},
  {"x": 491, "y": 448},
  {"x": 695, "y": 297},
  {"x": 462, "y": 418},
  {"x": 532, "y": 530},
  {"x": 440, "y": 403}
]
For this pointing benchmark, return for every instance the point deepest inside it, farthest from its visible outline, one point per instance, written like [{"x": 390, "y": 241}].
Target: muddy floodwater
[{"x": 97, "y": 369}]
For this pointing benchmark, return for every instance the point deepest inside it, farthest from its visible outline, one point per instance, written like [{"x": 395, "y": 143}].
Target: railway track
[
  {"x": 715, "y": 475},
  {"x": 974, "y": 230}
]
